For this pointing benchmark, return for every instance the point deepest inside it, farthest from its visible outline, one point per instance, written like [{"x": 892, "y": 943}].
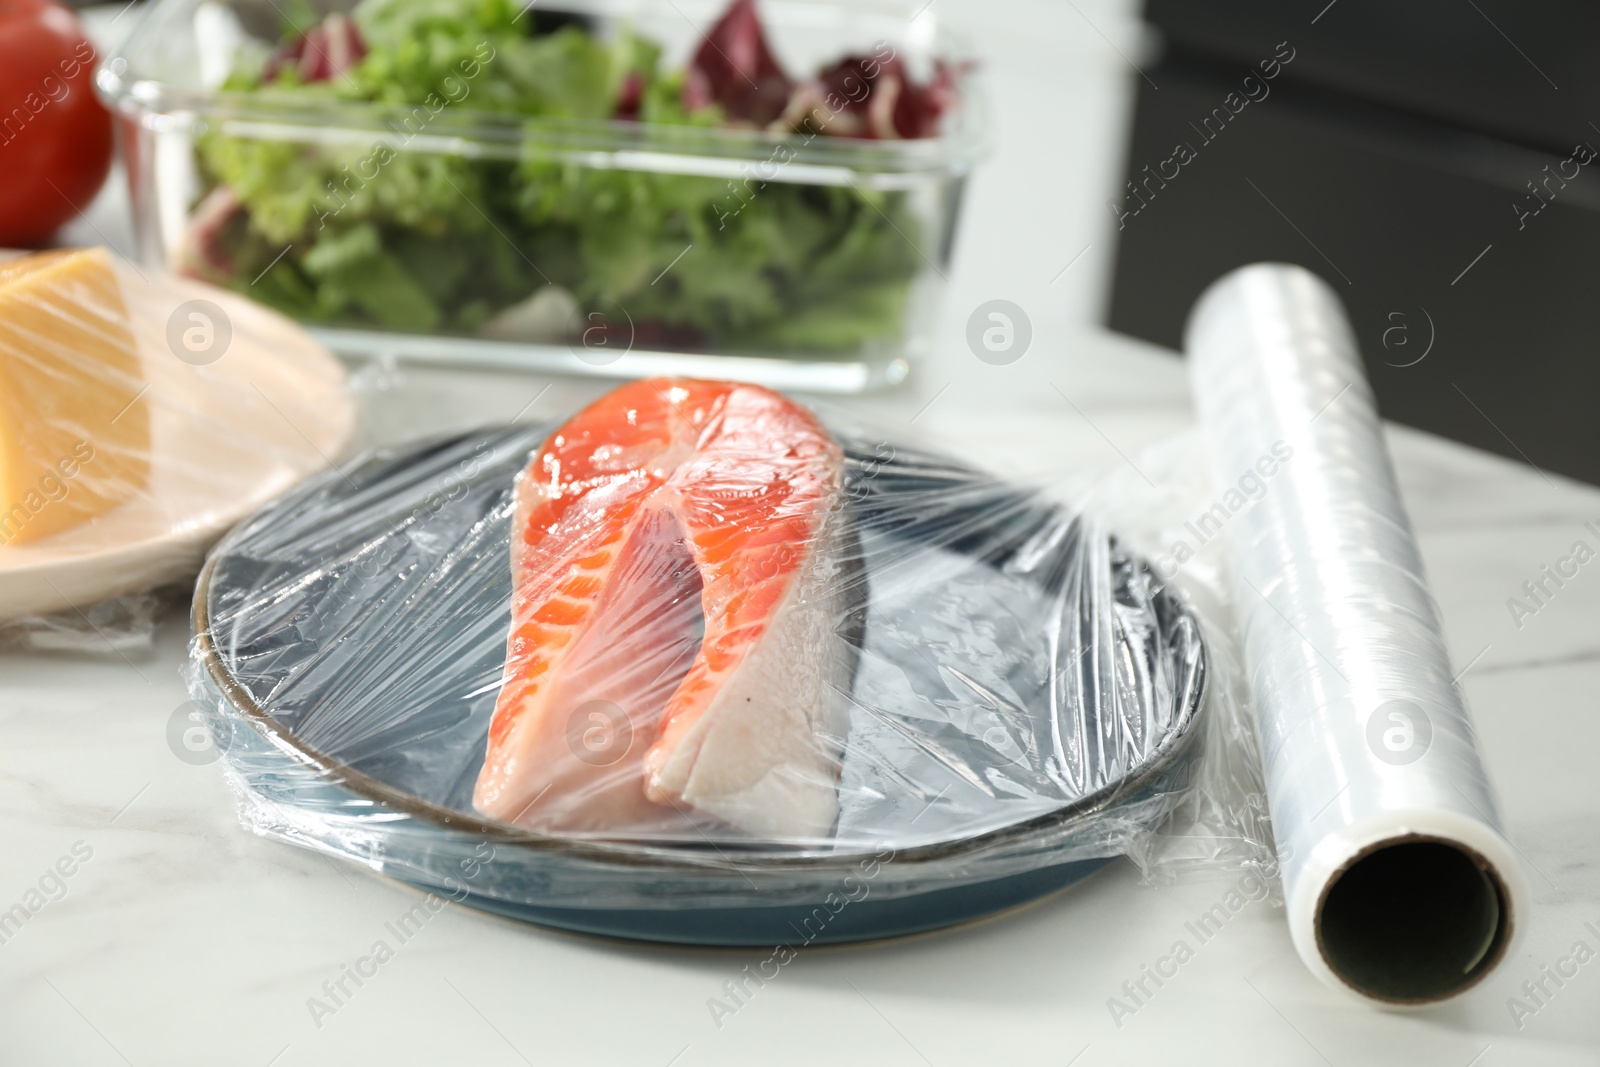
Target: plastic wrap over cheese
[
  {"x": 695, "y": 645},
  {"x": 141, "y": 416}
]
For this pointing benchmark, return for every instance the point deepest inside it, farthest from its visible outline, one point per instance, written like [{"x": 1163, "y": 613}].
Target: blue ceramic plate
[{"x": 1025, "y": 697}]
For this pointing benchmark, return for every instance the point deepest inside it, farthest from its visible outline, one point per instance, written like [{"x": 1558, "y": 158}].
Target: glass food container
[{"x": 600, "y": 246}]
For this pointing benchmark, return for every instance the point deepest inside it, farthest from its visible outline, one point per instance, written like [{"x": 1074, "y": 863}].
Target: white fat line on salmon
[
  {"x": 741, "y": 989},
  {"x": 1537, "y": 992},
  {"x": 1137, "y": 992},
  {"x": 50, "y": 887},
  {"x": 339, "y": 990}
]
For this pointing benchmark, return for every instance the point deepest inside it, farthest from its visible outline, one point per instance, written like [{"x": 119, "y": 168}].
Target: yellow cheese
[{"x": 74, "y": 420}]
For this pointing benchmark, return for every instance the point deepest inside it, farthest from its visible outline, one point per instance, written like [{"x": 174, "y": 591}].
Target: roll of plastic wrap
[{"x": 1398, "y": 882}]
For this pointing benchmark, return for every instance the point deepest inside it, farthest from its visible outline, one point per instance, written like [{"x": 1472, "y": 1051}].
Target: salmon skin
[{"x": 682, "y": 563}]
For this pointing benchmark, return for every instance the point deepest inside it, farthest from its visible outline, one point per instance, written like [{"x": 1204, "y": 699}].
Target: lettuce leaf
[{"x": 386, "y": 235}]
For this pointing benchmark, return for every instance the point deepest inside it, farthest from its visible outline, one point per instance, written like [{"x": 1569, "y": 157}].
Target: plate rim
[
  {"x": 1180, "y": 738},
  {"x": 187, "y": 544}
]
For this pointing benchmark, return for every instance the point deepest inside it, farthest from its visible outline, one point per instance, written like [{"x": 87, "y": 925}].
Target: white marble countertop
[{"x": 181, "y": 939}]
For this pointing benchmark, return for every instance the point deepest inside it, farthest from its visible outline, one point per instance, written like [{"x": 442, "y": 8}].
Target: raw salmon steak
[{"x": 680, "y": 577}]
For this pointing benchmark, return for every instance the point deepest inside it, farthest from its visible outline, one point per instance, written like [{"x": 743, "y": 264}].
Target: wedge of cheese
[{"x": 74, "y": 418}]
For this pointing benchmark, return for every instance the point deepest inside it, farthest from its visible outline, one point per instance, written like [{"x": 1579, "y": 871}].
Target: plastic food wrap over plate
[{"x": 1008, "y": 698}]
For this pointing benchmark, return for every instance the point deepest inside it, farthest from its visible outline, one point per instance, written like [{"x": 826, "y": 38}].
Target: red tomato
[{"x": 55, "y": 135}]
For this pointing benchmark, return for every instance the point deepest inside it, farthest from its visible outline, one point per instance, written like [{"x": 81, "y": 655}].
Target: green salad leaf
[{"x": 400, "y": 233}]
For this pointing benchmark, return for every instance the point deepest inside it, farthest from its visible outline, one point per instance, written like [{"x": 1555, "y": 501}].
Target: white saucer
[{"x": 226, "y": 437}]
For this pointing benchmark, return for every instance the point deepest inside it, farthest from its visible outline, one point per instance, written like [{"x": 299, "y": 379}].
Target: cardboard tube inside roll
[{"x": 1400, "y": 885}]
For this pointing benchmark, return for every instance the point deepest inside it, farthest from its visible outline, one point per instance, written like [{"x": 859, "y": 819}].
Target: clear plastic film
[
  {"x": 1399, "y": 883},
  {"x": 1158, "y": 504},
  {"x": 106, "y": 628},
  {"x": 693, "y": 648},
  {"x": 141, "y": 416}
]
